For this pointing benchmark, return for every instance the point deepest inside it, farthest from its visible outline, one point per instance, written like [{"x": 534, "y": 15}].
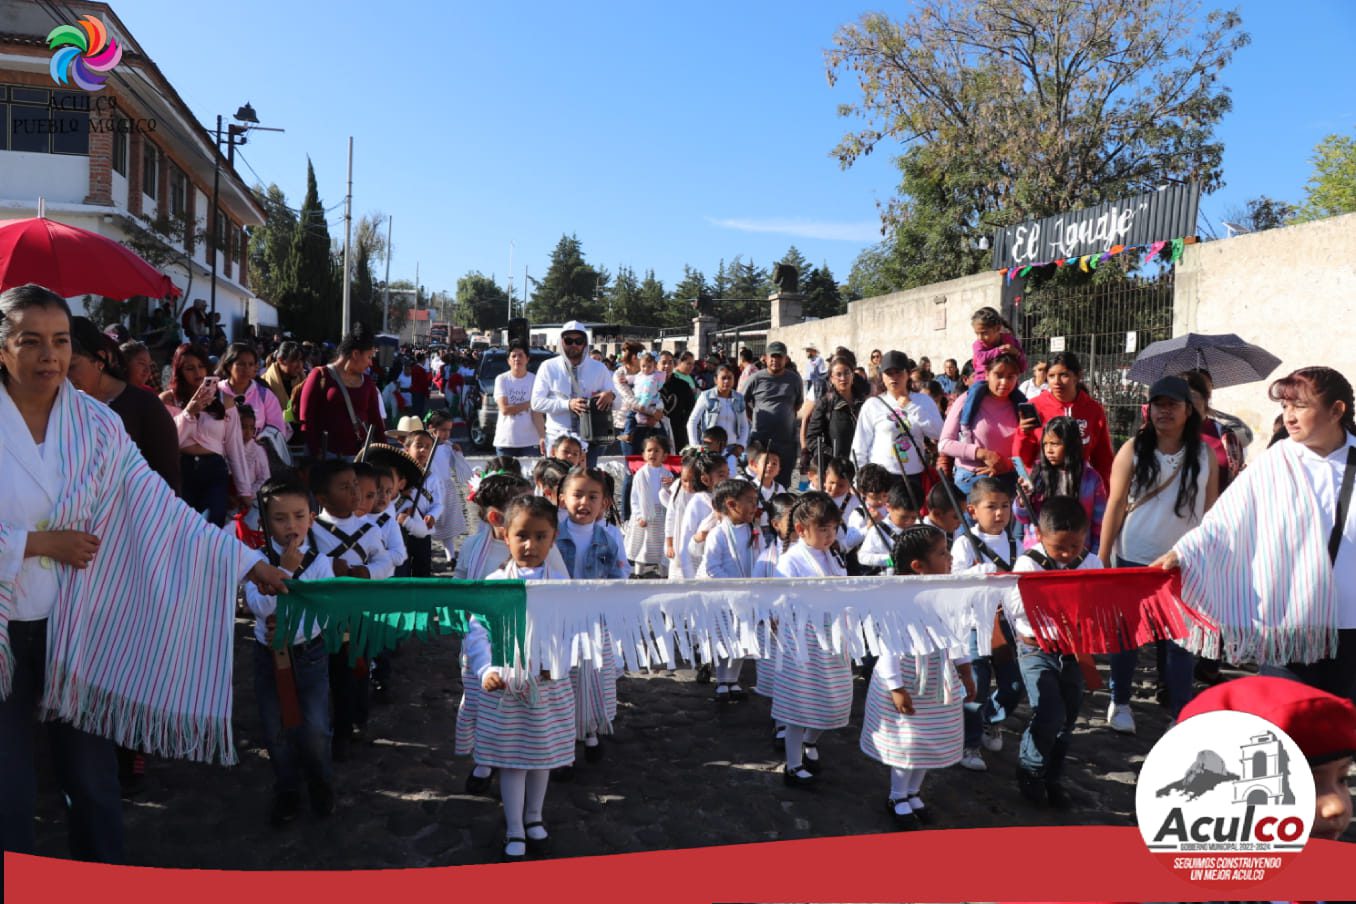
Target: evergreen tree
[
  {"x": 797, "y": 260},
  {"x": 693, "y": 284},
  {"x": 822, "y": 295},
  {"x": 481, "y": 303},
  {"x": 270, "y": 245},
  {"x": 310, "y": 308},
  {"x": 572, "y": 289},
  {"x": 623, "y": 300},
  {"x": 653, "y": 303},
  {"x": 747, "y": 295}
]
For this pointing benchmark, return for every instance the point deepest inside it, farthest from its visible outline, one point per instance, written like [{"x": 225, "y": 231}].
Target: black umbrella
[{"x": 1230, "y": 360}]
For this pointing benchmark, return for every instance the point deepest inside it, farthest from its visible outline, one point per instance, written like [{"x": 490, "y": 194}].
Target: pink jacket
[{"x": 982, "y": 356}]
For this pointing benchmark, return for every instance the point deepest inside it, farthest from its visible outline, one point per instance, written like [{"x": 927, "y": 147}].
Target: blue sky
[{"x": 660, "y": 134}]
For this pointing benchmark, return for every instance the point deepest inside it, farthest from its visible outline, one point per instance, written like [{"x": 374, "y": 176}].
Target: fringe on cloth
[
  {"x": 1258, "y": 567},
  {"x": 1107, "y": 610}
]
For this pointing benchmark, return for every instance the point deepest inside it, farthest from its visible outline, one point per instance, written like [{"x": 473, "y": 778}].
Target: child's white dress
[
  {"x": 931, "y": 738},
  {"x": 814, "y": 689}
]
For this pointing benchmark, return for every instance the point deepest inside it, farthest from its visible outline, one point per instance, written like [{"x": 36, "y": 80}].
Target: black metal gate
[{"x": 1106, "y": 326}]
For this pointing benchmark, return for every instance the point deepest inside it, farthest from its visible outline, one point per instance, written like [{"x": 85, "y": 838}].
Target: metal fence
[
  {"x": 1106, "y": 326},
  {"x": 752, "y": 336}
]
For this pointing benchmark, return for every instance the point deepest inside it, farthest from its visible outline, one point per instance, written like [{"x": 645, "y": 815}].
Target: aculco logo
[{"x": 1225, "y": 797}]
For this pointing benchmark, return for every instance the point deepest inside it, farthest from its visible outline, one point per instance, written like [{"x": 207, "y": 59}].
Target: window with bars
[
  {"x": 150, "y": 168},
  {"x": 178, "y": 191}
]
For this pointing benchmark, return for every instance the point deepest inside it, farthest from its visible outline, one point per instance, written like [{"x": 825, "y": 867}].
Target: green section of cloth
[{"x": 379, "y": 614}]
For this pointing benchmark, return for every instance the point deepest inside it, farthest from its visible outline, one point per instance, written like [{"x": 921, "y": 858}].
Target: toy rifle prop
[
  {"x": 875, "y": 524},
  {"x": 1001, "y": 652},
  {"x": 284, "y": 677},
  {"x": 423, "y": 479}
]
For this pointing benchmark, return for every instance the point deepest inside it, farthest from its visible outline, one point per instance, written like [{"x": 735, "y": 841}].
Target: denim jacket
[{"x": 604, "y": 559}]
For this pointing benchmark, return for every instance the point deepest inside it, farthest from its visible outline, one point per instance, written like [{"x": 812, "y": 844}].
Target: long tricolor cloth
[
  {"x": 553, "y": 626},
  {"x": 139, "y": 644}
]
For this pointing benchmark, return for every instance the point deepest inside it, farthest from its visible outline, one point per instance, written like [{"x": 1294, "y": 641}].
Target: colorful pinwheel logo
[{"x": 83, "y": 54}]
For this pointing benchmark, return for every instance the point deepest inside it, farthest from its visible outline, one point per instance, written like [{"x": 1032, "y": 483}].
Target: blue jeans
[
  {"x": 86, "y": 765},
  {"x": 1006, "y": 695},
  {"x": 1176, "y": 668},
  {"x": 205, "y": 481},
  {"x": 305, "y": 748},
  {"x": 1054, "y": 685},
  {"x": 517, "y": 451}
]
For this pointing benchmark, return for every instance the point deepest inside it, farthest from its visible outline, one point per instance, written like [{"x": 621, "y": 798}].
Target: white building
[{"x": 118, "y": 160}]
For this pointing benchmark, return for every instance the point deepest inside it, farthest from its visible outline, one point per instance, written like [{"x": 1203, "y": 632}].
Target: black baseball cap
[
  {"x": 776, "y": 348},
  {"x": 1171, "y": 388},
  {"x": 893, "y": 360}
]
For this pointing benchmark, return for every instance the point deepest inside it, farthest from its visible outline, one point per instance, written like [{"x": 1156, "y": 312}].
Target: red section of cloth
[
  {"x": 673, "y": 462},
  {"x": 1106, "y": 610}
]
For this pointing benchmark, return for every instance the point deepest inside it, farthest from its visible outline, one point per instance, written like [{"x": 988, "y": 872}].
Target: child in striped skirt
[
  {"x": 814, "y": 684},
  {"x": 525, "y": 724},
  {"x": 914, "y": 719}
]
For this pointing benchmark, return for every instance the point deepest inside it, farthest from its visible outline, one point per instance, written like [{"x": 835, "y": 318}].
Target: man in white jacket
[{"x": 568, "y": 384}]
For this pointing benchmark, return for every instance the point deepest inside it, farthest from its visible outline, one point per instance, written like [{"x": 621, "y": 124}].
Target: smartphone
[
  {"x": 1020, "y": 467},
  {"x": 1027, "y": 411},
  {"x": 211, "y": 381}
]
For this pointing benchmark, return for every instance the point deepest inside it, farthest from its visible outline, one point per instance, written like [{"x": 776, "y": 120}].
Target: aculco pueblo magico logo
[{"x": 83, "y": 55}]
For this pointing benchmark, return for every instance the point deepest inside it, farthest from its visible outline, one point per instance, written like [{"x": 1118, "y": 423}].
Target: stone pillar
[
  {"x": 786, "y": 309},
  {"x": 703, "y": 330}
]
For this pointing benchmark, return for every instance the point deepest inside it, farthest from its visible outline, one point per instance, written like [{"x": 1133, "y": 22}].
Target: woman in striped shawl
[
  {"x": 97, "y": 558},
  {"x": 1274, "y": 564}
]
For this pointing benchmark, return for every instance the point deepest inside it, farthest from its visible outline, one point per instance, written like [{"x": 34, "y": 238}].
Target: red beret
[{"x": 1322, "y": 724}]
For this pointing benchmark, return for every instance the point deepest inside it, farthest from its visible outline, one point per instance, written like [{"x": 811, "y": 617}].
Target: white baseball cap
[{"x": 572, "y": 326}]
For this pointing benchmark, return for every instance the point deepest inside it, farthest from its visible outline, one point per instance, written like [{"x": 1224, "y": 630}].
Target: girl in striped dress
[
  {"x": 525, "y": 723},
  {"x": 778, "y": 512},
  {"x": 914, "y": 705},
  {"x": 482, "y": 554},
  {"x": 814, "y": 685},
  {"x": 591, "y": 552},
  {"x": 645, "y": 530}
]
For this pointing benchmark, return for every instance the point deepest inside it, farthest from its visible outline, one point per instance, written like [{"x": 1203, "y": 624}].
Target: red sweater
[
  {"x": 1091, "y": 418},
  {"x": 323, "y": 410}
]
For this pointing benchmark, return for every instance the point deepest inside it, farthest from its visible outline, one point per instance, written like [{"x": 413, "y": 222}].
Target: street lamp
[{"x": 235, "y": 134}]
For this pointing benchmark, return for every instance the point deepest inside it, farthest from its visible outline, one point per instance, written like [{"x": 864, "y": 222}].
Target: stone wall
[
  {"x": 1292, "y": 291},
  {"x": 931, "y": 320}
]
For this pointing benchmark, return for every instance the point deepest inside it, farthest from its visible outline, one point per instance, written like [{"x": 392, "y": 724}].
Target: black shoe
[
  {"x": 1032, "y": 788},
  {"x": 904, "y": 821},
  {"x": 801, "y": 778},
  {"x": 593, "y": 754},
  {"x": 286, "y": 808},
  {"x": 922, "y": 814},
  {"x": 1208, "y": 673},
  {"x": 1059, "y": 798},
  {"x": 736, "y": 693},
  {"x": 812, "y": 764},
  {"x": 562, "y": 774},
  {"x": 322, "y": 798},
  {"x": 479, "y": 785},
  {"x": 514, "y": 858},
  {"x": 537, "y": 846},
  {"x": 726, "y": 696},
  {"x": 703, "y": 674}
]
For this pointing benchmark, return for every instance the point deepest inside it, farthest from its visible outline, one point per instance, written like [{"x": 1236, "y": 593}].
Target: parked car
[{"x": 493, "y": 362}]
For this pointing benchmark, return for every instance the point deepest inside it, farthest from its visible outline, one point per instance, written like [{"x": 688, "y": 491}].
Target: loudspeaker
[{"x": 517, "y": 332}]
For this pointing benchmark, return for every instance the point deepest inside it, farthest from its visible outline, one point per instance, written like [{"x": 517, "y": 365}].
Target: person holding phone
[
  {"x": 979, "y": 429},
  {"x": 211, "y": 446},
  {"x": 570, "y": 386},
  {"x": 1065, "y": 396}
]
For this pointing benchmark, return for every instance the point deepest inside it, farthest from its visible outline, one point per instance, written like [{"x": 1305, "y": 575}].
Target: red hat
[{"x": 1323, "y": 725}]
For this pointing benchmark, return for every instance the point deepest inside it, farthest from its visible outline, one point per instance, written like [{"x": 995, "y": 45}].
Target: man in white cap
[
  {"x": 816, "y": 373},
  {"x": 568, "y": 385}
]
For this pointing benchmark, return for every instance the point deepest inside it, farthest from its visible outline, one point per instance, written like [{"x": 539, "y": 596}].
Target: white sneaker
[
  {"x": 993, "y": 738},
  {"x": 1120, "y": 718},
  {"x": 972, "y": 760}
]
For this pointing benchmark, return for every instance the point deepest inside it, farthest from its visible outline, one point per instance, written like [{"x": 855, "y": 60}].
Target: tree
[
  {"x": 481, "y": 303},
  {"x": 822, "y": 295},
  {"x": 654, "y": 303},
  {"x": 748, "y": 291},
  {"x": 270, "y": 245},
  {"x": 623, "y": 299},
  {"x": 869, "y": 276},
  {"x": 692, "y": 285},
  {"x": 311, "y": 306},
  {"x": 572, "y": 289},
  {"x": 1332, "y": 187},
  {"x": 1258, "y": 214},
  {"x": 368, "y": 249},
  {"x": 1009, "y": 111}
]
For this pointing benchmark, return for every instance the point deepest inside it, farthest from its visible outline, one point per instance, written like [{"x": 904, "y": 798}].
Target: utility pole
[
  {"x": 510, "y": 282},
  {"x": 348, "y": 231},
  {"x": 386, "y": 289}
]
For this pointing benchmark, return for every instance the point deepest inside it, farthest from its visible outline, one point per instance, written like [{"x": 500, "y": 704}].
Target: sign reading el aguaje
[{"x": 1155, "y": 216}]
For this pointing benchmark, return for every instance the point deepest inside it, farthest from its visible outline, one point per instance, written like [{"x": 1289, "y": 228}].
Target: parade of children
[{"x": 786, "y": 617}]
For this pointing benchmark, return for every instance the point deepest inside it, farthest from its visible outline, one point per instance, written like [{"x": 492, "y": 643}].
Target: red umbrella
[{"x": 72, "y": 261}]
